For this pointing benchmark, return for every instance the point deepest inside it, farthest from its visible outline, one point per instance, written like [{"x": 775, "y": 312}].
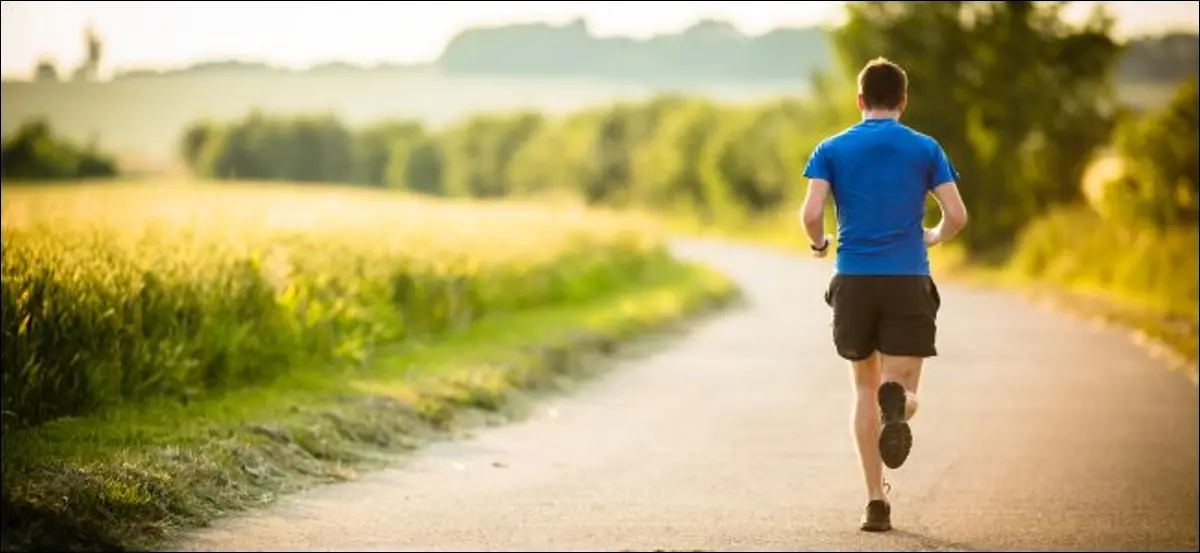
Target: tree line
[{"x": 671, "y": 153}]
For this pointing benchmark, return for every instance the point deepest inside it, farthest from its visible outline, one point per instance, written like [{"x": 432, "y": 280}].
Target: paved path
[{"x": 1035, "y": 432}]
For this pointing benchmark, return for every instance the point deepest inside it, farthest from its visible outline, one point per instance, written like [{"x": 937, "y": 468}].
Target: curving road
[{"x": 1036, "y": 432}]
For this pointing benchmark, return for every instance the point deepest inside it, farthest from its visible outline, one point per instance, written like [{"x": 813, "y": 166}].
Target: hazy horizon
[{"x": 165, "y": 35}]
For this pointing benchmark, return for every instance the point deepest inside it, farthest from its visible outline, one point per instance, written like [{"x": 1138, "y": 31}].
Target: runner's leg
[
  {"x": 855, "y": 312},
  {"x": 907, "y": 335},
  {"x": 867, "y": 377},
  {"x": 906, "y": 371}
]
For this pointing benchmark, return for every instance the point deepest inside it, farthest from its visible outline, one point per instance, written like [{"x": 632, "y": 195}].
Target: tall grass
[
  {"x": 122, "y": 293},
  {"x": 1151, "y": 268}
]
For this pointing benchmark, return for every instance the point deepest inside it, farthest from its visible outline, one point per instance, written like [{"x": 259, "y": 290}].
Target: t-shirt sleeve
[
  {"x": 818, "y": 165},
  {"x": 942, "y": 171}
]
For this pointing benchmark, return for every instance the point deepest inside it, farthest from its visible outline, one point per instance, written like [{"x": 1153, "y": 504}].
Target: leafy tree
[{"x": 1160, "y": 184}]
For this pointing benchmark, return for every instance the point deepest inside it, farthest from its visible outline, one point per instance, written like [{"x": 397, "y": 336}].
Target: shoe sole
[
  {"x": 895, "y": 439},
  {"x": 877, "y": 527}
]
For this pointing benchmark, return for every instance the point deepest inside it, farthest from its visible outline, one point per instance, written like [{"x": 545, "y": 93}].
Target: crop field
[{"x": 123, "y": 292}]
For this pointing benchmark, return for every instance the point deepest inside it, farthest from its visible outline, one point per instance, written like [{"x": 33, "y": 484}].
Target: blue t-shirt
[{"x": 880, "y": 172}]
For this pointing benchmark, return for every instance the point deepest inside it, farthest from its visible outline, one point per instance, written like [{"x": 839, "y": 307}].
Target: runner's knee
[
  {"x": 868, "y": 374},
  {"x": 901, "y": 368}
]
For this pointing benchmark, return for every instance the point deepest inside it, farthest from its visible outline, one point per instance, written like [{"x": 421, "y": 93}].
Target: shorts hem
[
  {"x": 855, "y": 359},
  {"x": 922, "y": 353}
]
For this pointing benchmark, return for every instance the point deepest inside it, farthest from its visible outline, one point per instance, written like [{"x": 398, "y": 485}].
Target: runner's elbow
[
  {"x": 956, "y": 218},
  {"x": 959, "y": 220}
]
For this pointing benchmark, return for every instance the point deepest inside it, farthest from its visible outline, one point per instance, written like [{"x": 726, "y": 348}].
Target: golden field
[{"x": 122, "y": 292}]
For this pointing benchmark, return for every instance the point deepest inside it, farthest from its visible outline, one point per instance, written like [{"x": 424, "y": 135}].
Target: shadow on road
[{"x": 916, "y": 541}]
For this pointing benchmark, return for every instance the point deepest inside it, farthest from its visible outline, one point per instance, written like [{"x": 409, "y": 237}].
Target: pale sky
[{"x": 298, "y": 34}]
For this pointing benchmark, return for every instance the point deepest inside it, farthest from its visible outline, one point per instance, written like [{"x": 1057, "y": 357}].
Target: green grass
[
  {"x": 132, "y": 477},
  {"x": 1154, "y": 269}
]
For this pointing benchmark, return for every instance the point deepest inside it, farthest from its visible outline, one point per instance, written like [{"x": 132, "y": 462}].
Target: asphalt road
[{"x": 1036, "y": 432}]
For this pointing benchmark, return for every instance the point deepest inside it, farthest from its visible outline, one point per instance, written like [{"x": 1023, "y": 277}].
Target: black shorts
[{"x": 895, "y": 315}]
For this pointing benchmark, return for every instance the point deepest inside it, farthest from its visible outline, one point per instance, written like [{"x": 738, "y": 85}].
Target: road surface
[{"x": 1035, "y": 432}]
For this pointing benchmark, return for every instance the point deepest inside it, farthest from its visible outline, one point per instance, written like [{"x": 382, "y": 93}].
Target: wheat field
[{"x": 123, "y": 292}]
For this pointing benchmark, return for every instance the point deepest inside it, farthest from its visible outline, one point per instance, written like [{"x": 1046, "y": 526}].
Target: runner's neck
[{"x": 880, "y": 114}]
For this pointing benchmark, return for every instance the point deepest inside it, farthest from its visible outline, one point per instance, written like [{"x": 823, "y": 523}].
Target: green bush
[
  {"x": 34, "y": 153},
  {"x": 1075, "y": 247},
  {"x": 1161, "y": 181}
]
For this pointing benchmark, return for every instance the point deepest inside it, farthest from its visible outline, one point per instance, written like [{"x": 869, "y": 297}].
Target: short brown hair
[{"x": 883, "y": 84}]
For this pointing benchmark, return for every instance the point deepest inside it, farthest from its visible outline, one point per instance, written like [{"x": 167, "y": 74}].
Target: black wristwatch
[{"x": 824, "y": 245}]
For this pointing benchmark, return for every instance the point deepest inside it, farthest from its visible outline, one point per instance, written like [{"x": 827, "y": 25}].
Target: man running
[{"x": 884, "y": 300}]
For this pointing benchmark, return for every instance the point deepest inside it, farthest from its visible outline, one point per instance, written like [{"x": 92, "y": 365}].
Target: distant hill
[
  {"x": 1170, "y": 57},
  {"x": 709, "y": 52},
  {"x": 714, "y": 50}
]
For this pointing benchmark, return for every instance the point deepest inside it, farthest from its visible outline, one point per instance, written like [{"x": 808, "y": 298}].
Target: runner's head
[{"x": 882, "y": 86}]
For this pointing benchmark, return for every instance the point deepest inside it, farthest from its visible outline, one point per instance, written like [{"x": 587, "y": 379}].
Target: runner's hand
[{"x": 931, "y": 238}]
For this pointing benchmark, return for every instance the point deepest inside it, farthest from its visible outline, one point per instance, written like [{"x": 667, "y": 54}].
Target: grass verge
[{"x": 133, "y": 477}]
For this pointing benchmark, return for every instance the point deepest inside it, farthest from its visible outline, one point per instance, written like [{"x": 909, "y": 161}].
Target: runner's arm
[
  {"x": 954, "y": 214},
  {"x": 943, "y": 183},
  {"x": 812, "y": 215}
]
